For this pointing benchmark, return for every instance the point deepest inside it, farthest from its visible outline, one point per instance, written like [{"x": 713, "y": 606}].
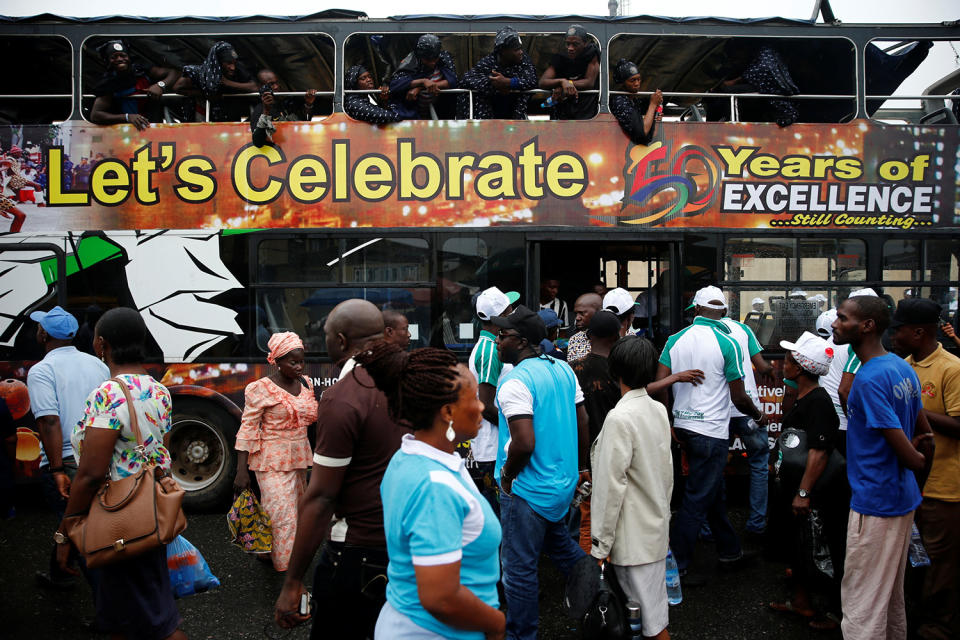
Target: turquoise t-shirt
[
  {"x": 434, "y": 515},
  {"x": 549, "y": 479}
]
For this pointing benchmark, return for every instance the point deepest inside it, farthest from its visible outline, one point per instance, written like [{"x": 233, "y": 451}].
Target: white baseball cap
[
  {"x": 491, "y": 302},
  {"x": 757, "y": 301},
  {"x": 618, "y": 300},
  {"x": 863, "y": 292},
  {"x": 811, "y": 352},
  {"x": 817, "y": 298},
  {"x": 798, "y": 293},
  {"x": 825, "y": 323},
  {"x": 705, "y": 297}
]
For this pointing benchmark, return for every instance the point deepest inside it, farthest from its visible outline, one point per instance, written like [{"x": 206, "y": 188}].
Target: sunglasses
[{"x": 503, "y": 335}]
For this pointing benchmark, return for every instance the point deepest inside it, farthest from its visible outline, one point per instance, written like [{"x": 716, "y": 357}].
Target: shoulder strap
[{"x": 134, "y": 426}]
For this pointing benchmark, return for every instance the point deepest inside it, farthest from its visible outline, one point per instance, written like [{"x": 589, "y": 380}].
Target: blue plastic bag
[{"x": 189, "y": 573}]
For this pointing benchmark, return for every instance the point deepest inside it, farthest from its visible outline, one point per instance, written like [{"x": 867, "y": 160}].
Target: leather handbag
[
  {"x": 130, "y": 516},
  {"x": 790, "y": 463},
  {"x": 606, "y": 618}
]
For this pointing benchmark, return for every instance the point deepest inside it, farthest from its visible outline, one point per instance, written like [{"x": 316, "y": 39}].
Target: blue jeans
[
  {"x": 525, "y": 534},
  {"x": 758, "y": 457},
  {"x": 704, "y": 499}
]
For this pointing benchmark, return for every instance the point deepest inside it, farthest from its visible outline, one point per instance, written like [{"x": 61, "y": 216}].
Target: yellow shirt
[{"x": 939, "y": 375}]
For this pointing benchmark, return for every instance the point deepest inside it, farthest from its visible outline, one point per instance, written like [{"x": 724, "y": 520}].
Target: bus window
[
  {"x": 40, "y": 91},
  {"x": 298, "y": 259},
  {"x": 840, "y": 259},
  {"x": 901, "y": 260},
  {"x": 898, "y": 72},
  {"x": 385, "y": 260},
  {"x": 687, "y": 68},
  {"x": 469, "y": 264},
  {"x": 760, "y": 259},
  {"x": 304, "y": 310},
  {"x": 300, "y": 62}
]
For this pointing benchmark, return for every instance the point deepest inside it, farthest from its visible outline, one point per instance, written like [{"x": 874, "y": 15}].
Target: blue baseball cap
[
  {"x": 59, "y": 324},
  {"x": 549, "y": 317}
]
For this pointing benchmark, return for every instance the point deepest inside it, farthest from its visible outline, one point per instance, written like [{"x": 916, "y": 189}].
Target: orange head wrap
[{"x": 281, "y": 344}]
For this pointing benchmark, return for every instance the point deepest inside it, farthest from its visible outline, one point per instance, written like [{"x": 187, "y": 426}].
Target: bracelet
[{"x": 59, "y": 469}]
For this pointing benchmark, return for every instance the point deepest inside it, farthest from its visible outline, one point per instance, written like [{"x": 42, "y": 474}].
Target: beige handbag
[{"x": 131, "y": 516}]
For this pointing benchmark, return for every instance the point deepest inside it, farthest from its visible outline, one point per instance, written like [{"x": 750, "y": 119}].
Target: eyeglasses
[{"x": 503, "y": 335}]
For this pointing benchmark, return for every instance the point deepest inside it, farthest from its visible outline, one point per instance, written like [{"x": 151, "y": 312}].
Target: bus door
[{"x": 641, "y": 266}]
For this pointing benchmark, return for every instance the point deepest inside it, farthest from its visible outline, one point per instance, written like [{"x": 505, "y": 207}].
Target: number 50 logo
[{"x": 662, "y": 184}]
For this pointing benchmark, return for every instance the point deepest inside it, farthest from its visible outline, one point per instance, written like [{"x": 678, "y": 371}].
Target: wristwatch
[
  {"x": 162, "y": 85},
  {"x": 60, "y": 538},
  {"x": 803, "y": 493}
]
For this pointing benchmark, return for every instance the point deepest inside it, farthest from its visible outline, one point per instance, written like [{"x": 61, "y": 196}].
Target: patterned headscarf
[
  {"x": 352, "y": 76},
  {"x": 280, "y": 344},
  {"x": 207, "y": 76},
  {"x": 624, "y": 70},
  {"x": 577, "y": 31},
  {"x": 428, "y": 47},
  {"x": 506, "y": 38}
]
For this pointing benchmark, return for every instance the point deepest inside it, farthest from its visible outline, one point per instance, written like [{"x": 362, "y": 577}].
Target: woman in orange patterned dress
[{"x": 272, "y": 440}]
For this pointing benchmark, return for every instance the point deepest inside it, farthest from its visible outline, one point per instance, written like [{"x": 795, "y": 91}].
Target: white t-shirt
[
  {"x": 831, "y": 381},
  {"x": 750, "y": 346},
  {"x": 706, "y": 345}
]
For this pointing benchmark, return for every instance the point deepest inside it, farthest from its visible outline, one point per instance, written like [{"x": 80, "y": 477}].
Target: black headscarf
[
  {"x": 624, "y": 70},
  {"x": 207, "y": 76},
  {"x": 428, "y": 47},
  {"x": 109, "y": 47},
  {"x": 506, "y": 38},
  {"x": 352, "y": 76}
]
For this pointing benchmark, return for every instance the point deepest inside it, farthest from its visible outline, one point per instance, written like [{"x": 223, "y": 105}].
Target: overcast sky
[{"x": 942, "y": 59}]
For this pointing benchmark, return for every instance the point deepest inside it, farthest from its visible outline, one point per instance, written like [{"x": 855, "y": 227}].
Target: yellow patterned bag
[{"x": 249, "y": 524}]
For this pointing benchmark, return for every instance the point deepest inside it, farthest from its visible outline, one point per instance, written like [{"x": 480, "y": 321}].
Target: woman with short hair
[{"x": 632, "y": 482}]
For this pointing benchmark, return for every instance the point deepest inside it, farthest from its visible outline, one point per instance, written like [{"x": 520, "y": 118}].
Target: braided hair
[{"x": 416, "y": 383}]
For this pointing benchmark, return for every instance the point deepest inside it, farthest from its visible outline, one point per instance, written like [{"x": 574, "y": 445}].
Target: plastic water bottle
[
  {"x": 549, "y": 102},
  {"x": 634, "y": 620},
  {"x": 674, "y": 593},
  {"x": 917, "y": 553}
]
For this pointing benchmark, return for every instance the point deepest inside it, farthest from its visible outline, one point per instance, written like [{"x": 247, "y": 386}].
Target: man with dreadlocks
[
  {"x": 355, "y": 440},
  {"x": 417, "y": 82},
  {"x": 543, "y": 444},
  {"x": 220, "y": 73},
  {"x": 497, "y": 80},
  {"x": 637, "y": 116},
  {"x": 114, "y": 103},
  {"x": 368, "y": 107}
]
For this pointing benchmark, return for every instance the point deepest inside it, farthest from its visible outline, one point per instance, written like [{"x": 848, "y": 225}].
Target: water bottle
[
  {"x": 917, "y": 553},
  {"x": 674, "y": 594},
  {"x": 549, "y": 102},
  {"x": 583, "y": 491},
  {"x": 634, "y": 620}
]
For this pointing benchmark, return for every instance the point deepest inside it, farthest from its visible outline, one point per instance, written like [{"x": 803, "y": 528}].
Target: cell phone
[
  {"x": 264, "y": 89},
  {"x": 304, "y": 604}
]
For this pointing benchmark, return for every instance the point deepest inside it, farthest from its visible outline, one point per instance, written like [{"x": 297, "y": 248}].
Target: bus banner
[{"x": 341, "y": 173}]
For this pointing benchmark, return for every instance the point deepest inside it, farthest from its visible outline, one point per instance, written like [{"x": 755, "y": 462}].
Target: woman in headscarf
[
  {"x": 272, "y": 440},
  {"x": 574, "y": 70},
  {"x": 368, "y": 107},
  {"x": 122, "y": 79},
  {"x": 497, "y": 80},
  {"x": 416, "y": 83},
  {"x": 219, "y": 73},
  {"x": 637, "y": 115}
]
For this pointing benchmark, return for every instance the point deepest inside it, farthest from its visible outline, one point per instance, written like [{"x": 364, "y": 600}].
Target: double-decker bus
[{"x": 219, "y": 243}]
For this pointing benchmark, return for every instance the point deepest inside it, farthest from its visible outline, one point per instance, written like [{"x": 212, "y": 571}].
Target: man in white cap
[
  {"x": 888, "y": 439},
  {"x": 819, "y": 298},
  {"x": 757, "y": 304},
  {"x": 487, "y": 368},
  {"x": 59, "y": 385},
  {"x": 621, "y": 303},
  {"x": 753, "y": 437},
  {"x": 701, "y": 418}
]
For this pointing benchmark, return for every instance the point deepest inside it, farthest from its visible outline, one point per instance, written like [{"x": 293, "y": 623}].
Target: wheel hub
[{"x": 197, "y": 451}]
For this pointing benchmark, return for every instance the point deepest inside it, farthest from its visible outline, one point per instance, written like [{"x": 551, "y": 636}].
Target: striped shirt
[
  {"x": 749, "y": 347},
  {"x": 486, "y": 367},
  {"x": 706, "y": 345}
]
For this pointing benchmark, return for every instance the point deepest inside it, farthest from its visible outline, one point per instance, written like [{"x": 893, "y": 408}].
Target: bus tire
[{"x": 203, "y": 461}]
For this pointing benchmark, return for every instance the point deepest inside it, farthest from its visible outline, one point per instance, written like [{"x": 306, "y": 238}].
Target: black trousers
[{"x": 349, "y": 588}]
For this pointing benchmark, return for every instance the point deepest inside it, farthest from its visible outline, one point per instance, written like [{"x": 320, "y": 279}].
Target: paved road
[{"x": 731, "y": 606}]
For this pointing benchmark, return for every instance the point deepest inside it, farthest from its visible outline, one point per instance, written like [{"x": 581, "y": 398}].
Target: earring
[
  {"x": 451, "y": 434},
  {"x": 102, "y": 357}
]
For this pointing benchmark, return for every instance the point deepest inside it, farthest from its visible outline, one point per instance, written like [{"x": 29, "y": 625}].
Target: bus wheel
[{"x": 201, "y": 450}]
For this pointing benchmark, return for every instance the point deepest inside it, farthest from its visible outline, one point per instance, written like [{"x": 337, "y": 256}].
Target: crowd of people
[
  {"x": 436, "y": 486},
  {"x": 498, "y": 86}
]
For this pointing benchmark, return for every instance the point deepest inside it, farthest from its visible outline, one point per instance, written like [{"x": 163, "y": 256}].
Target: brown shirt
[{"x": 355, "y": 431}]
